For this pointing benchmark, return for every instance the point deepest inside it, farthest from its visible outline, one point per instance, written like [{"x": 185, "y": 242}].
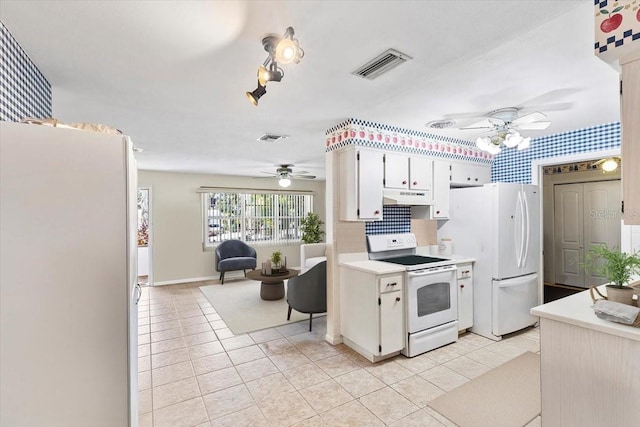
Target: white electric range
[{"x": 430, "y": 293}]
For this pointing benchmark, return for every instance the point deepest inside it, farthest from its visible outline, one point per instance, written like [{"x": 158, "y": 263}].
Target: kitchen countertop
[
  {"x": 576, "y": 310},
  {"x": 375, "y": 267},
  {"x": 362, "y": 263}
]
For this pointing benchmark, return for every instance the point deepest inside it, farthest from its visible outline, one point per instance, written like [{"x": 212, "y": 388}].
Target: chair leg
[
  {"x": 289, "y": 314},
  {"x": 310, "y": 319},
  {"x": 245, "y": 273},
  {"x": 222, "y": 277}
]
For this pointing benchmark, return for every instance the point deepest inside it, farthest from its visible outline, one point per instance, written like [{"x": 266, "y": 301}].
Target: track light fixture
[
  {"x": 281, "y": 50},
  {"x": 257, "y": 94}
]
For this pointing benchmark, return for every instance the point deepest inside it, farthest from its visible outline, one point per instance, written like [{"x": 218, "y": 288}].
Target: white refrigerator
[
  {"x": 498, "y": 224},
  {"x": 68, "y": 278}
]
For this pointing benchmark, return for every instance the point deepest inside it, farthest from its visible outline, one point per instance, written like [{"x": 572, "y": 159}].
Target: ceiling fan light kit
[
  {"x": 285, "y": 174},
  {"x": 281, "y": 50},
  {"x": 503, "y": 124},
  {"x": 284, "y": 182}
]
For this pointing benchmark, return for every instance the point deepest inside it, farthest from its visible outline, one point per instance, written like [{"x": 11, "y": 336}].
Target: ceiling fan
[
  {"x": 503, "y": 126},
  {"x": 505, "y": 119},
  {"x": 285, "y": 174}
]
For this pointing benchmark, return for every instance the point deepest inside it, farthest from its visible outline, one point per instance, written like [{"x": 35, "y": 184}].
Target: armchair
[
  {"x": 312, "y": 254},
  {"x": 307, "y": 293},
  {"x": 234, "y": 255}
]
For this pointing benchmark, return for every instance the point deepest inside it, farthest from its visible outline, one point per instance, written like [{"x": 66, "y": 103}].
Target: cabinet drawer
[
  {"x": 464, "y": 271},
  {"x": 389, "y": 284}
]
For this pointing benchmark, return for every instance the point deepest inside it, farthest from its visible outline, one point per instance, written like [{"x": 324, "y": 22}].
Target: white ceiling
[{"x": 172, "y": 74}]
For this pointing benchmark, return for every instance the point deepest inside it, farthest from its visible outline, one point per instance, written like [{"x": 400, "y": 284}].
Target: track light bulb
[{"x": 256, "y": 94}]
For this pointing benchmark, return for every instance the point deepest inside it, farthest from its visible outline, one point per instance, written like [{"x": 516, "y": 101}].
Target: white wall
[{"x": 177, "y": 222}]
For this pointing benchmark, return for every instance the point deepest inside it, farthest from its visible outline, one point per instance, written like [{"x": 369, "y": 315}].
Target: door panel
[
  {"x": 602, "y": 220},
  {"x": 391, "y": 322},
  {"x": 396, "y": 171},
  {"x": 508, "y": 229},
  {"x": 569, "y": 220},
  {"x": 512, "y": 301}
]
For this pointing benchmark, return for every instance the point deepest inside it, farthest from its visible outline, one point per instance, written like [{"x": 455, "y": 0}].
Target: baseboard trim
[
  {"x": 333, "y": 340},
  {"x": 188, "y": 280}
]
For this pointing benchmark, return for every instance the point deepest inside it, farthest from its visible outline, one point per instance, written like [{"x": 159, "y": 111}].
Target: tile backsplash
[{"x": 396, "y": 219}]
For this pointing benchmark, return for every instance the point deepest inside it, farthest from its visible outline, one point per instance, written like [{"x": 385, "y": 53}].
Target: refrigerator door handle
[
  {"x": 519, "y": 249},
  {"x": 526, "y": 229}
]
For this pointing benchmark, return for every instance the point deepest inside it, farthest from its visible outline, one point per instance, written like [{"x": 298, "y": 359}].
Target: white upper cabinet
[
  {"x": 441, "y": 180},
  {"x": 467, "y": 174},
  {"x": 361, "y": 175},
  {"x": 396, "y": 171},
  {"x": 421, "y": 174}
]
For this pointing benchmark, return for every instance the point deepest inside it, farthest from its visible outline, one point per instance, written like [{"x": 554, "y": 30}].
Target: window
[{"x": 270, "y": 218}]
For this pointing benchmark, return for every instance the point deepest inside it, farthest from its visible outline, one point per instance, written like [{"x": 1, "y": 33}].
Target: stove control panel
[{"x": 387, "y": 242}]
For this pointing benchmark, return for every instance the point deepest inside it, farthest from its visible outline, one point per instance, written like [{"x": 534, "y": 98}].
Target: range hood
[{"x": 407, "y": 197}]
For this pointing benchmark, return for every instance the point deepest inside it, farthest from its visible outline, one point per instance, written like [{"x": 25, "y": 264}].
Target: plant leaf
[
  {"x": 605, "y": 11},
  {"x": 617, "y": 9}
]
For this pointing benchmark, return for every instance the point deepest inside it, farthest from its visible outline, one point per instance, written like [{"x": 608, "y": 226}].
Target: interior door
[
  {"x": 586, "y": 215},
  {"x": 569, "y": 234},
  {"x": 601, "y": 220}
]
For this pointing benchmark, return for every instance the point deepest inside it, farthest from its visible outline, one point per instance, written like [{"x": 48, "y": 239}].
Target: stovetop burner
[{"x": 412, "y": 260}]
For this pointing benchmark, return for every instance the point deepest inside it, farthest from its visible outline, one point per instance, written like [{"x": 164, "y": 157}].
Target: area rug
[
  {"x": 507, "y": 396},
  {"x": 240, "y": 306}
]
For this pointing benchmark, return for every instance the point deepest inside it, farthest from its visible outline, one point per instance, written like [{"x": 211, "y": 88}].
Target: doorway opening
[
  {"x": 580, "y": 208},
  {"x": 145, "y": 272}
]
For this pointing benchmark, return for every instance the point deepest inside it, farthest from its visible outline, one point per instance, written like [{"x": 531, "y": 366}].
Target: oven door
[{"x": 432, "y": 298}]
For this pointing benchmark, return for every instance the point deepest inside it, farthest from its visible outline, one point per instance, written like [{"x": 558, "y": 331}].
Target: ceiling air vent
[
  {"x": 272, "y": 137},
  {"x": 381, "y": 64}
]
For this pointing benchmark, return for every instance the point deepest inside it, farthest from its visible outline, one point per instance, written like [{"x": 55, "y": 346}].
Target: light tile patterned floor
[{"x": 194, "y": 372}]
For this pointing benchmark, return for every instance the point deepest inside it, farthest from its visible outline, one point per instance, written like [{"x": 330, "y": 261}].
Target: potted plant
[
  {"x": 617, "y": 267},
  {"x": 276, "y": 259},
  {"x": 310, "y": 226}
]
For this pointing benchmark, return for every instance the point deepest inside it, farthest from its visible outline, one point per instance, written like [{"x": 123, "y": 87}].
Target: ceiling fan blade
[
  {"x": 296, "y": 176},
  {"x": 482, "y": 124},
  {"x": 477, "y": 127},
  {"x": 269, "y": 173},
  {"x": 536, "y": 116},
  {"x": 533, "y": 126}
]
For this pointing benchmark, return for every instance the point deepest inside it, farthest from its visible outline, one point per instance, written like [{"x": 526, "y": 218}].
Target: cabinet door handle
[
  {"x": 397, "y": 299},
  {"x": 376, "y": 213},
  {"x": 404, "y": 182},
  {"x": 415, "y": 182},
  {"x": 461, "y": 286},
  {"x": 392, "y": 284}
]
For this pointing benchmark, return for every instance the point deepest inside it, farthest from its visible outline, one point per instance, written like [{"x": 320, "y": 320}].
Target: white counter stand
[{"x": 590, "y": 368}]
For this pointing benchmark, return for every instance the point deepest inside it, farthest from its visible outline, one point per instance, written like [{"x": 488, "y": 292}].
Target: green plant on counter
[
  {"x": 616, "y": 266},
  {"x": 310, "y": 226}
]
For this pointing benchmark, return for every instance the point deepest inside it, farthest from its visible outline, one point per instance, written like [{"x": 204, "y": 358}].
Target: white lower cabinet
[
  {"x": 465, "y": 296},
  {"x": 372, "y": 313}
]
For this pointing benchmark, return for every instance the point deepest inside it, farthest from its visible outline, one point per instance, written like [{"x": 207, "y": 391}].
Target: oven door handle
[{"x": 427, "y": 272}]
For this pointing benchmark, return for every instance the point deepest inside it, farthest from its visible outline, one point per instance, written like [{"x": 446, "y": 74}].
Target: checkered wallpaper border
[
  {"x": 391, "y": 138},
  {"x": 395, "y": 219},
  {"x": 515, "y": 166},
  {"x": 24, "y": 91}
]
